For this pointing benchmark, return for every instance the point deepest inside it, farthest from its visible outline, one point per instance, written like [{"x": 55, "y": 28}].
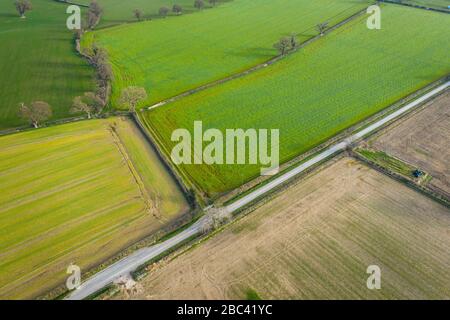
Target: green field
[
  {"x": 78, "y": 193},
  {"x": 170, "y": 56},
  {"x": 38, "y": 61},
  {"x": 311, "y": 95},
  {"x": 121, "y": 11}
]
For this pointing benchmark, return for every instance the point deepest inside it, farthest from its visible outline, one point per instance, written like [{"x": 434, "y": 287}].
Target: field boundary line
[
  {"x": 172, "y": 170},
  {"x": 255, "y": 68},
  {"x": 138, "y": 258},
  {"x": 332, "y": 150},
  {"x": 134, "y": 172},
  {"x": 181, "y": 95},
  {"x": 400, "y": 178},
  {"x": 73, "y": 3},
  {"x": 239, "y": 192},
  {"x": 415, "y": 6}
]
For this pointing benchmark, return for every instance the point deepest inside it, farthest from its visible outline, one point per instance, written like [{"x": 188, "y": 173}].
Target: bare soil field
[
  {"x": 316, "y": 240},
  {"x": 423, "y": 141}
]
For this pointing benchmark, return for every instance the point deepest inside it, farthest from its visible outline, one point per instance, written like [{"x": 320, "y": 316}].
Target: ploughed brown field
[
  {"x": 316, "y": 240},
  {"x": 423, "y": 141}
]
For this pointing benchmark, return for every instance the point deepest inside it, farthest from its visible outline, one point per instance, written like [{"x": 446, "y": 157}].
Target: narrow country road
[
  {"x": 131, "y": 262},
  {"x": 331, "y": 151}
]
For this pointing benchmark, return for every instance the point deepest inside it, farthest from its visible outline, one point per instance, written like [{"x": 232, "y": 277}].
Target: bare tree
[
  {"x": 36, "y": 113},
  {"x": 199, "y": 4},
  {"x": 78, "y": 33},
  {"x": 104, "y": 72},
  {"x": 215, "y": 218},
  {"x": 321, "y": 27},
  {"x": 177, "y": 9},
  {"x": 131, "y": 96},
  {"x": 22, "y": 6},
  {"x": 100, "y": 55},
  {"x": 138, "y": 14},
  {"x": 283, "y": 45},
  {"x": 94, "y": 14},
  {"x": 163, "y": 11},
  {"x": 95, "y": 8},
  {"x": 293, "y": 42},
  {"x": 89, "y": 103}
]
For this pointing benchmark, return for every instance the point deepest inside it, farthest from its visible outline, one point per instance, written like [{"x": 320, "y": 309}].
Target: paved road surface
[
  {"x": 131, "y": 262},
  {"x": 330, "y": 151}
]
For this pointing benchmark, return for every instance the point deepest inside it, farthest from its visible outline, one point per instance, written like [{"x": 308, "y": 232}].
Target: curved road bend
[{"x": 138, "y": 258}]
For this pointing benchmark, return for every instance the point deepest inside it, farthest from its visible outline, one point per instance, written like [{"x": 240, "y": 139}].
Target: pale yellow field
[
  {"x": 316, "y": 240},
  {"x": 76, "y": 193}
]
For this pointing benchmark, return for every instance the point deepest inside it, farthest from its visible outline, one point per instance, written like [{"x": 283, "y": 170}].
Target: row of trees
[
  {"x": 287, "y": 44},
  {"x": 90, "y": 103},
  {"x": 99, "y": 59},
  {"x": 200, "y": 4},
  {"x": 94, "y": 14},
  {"x": 176, "y": 8}
]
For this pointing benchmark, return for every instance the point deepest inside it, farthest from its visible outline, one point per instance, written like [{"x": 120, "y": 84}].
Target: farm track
[{"x": 133, "y": 261}]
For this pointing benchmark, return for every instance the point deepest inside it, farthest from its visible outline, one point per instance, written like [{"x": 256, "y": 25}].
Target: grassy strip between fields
[{"x": 383, "y": 159}]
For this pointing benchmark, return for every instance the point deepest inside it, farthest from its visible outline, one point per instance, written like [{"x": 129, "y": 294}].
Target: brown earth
[
  {"x": 423, "y": 140},
  {"x": 316, "y": 240}
]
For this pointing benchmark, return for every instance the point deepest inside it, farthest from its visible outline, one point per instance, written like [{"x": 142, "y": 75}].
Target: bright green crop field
[
  {"x": 38, "y": 61},
  {"x": 333, "y": 83},
  {"x": 170, "y": 56},
  {"x": 440, "y": 4},
  {"x": 121, "y": 11},
  {"x": 76, "y": 193}
]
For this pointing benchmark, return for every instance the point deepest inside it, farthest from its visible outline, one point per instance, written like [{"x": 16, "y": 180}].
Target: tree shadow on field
[
  {"x": 253, "y": 52},
  {"x": 62, "y": 65},
  {"x": 9, "y": 15}
]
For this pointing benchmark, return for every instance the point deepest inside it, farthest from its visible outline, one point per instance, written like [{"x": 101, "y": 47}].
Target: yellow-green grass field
[
  {"x": 315, "y": 93},
  {"x": 120, "y": 11},
  {"x": 76, "y": 193},
  {"x": 38, "y": 61},
  {"x": 315, "y": 240},
  {"x": 170, "y": 56}
]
